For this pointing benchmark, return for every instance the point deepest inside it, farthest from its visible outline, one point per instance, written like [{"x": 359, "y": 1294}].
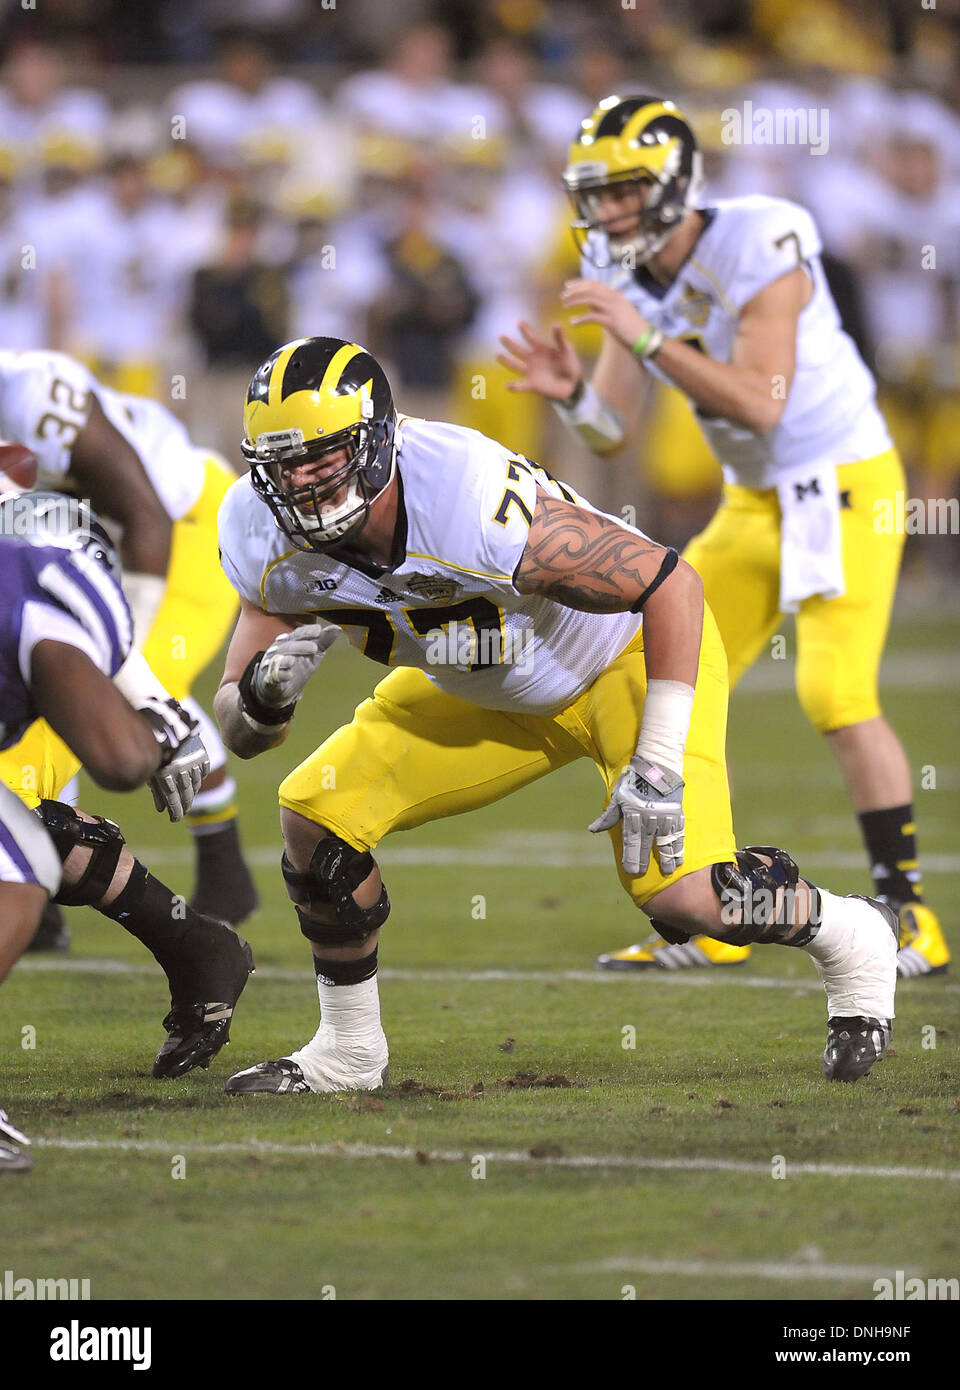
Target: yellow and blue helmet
[
  {"x": 627, "y": 142},
  {"x": 310, "y": 398}
]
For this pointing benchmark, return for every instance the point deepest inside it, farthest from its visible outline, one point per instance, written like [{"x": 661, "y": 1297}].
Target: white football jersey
[
  {"x": 127, "y": 275},
  {"x": 45, "y": 401},
  {"x": 23, "y": 284},
  {"x": 449, "y": 605},
  {"x": 747, "y": 243}
]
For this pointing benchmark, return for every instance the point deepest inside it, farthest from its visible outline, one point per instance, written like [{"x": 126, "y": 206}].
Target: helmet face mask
[
  {"x": 310, "y": 513},
  {"x": 327, "y": 397},
  {"x": 635, "y": 144}
]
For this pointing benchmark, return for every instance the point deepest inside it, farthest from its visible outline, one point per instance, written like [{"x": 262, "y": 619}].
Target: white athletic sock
[
  {"x": 349, "y": 1042},
  {"x": 856, "y": 958},
  {"x": 836, "y": 929}
]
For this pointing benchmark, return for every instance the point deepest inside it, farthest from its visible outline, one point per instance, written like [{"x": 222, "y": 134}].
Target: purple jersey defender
[
  {"x": 47, "y": 592},
  {"x": 66, "y": 596}
]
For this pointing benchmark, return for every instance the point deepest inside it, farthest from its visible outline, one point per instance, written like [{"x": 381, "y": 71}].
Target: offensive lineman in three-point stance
[{"x": 435, "y": 548}]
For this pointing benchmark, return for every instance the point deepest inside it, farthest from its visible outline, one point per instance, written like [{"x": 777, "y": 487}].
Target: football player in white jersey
[
  {"x": 524, "y": 630},
  {"x": 729, "y": 303},
  {"x": 135, "y": 463}
]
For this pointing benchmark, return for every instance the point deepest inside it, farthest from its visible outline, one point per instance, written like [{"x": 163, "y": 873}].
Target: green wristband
[{"x": 639, "y": 347}]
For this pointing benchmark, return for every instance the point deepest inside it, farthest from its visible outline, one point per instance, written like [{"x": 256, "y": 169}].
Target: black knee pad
[
  {"x": 334, "y": 871},
  {"x": 101, "y": 836},
  {"x": 750, "y": 887},
  {"x": 671, "y": 934}
]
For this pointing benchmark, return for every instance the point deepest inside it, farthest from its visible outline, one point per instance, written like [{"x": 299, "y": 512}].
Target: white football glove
[
  {"x": 289, "y": 662},
  {"x": 184, "y": 761},
  {"x": 176, "y": 784},
  {"x": 650, "y": 800}
]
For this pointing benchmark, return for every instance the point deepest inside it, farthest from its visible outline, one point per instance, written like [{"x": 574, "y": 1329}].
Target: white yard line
[
  {"x": 539, "y": 850},
  {"x": 789, "y": 1271},
  {"x": 507, "y": 1156},
  {"x": 924, "y": 669},
  {"x": 696, "y": 979}
]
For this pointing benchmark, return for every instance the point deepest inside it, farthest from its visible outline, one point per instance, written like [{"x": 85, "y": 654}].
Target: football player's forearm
[
  {"x": 617, "y": 382},
  {"x": 145, "y": 548},
  {"x": 673, "y": 626},
  {"x": 743, "y": 395},
  {"x": 115, "y": 744},
  {"x": 237, "y": 733},
  {"x": 604, "y": 411}
]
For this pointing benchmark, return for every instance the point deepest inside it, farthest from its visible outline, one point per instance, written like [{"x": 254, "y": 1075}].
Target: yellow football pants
[
  {"x": 135, "y": 377},
  {"x": 839, "y": 641},
  {"x": 480, "y": 400},
  {"x": 197, "y": 611},
  {"x": 414, "y": 754}
]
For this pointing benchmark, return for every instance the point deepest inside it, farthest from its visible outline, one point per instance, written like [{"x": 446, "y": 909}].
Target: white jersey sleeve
[
  {"x": 767, "y": 247},
  {"x": 45, "y": 400},
  {"x": 43, "y": 622},
  {"x": 481, "y": 527},
  {"x": 239, "y": 516},
  {"x": 80, "y": 603}
]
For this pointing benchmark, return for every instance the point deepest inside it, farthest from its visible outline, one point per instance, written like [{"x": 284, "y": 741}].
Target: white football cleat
[{"x": 320, "y": 1066}]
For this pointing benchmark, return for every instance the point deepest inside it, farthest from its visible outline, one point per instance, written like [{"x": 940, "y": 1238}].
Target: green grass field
[{"x": 506, "y": 1046}]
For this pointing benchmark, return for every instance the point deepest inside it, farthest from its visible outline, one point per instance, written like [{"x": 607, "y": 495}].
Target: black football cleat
[
  {"x": 52, "y": 933},
  {"x": 853, "y": 1045},
  {"x": 12, "y": 1158},
  {"x": 198, "y": 1027},
  {"x": 268, "y": 1078}
]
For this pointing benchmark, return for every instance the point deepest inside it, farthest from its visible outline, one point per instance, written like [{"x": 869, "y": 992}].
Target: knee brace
[
  {"x": 750, "y": 889},
  {"x": 673, "y": 935},
  {"x": 102, "y": 837},
  {"x": 334, "y": 871}
]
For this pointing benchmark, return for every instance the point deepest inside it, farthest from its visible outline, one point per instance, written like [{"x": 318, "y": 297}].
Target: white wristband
[
  {"x": 666, "y": 723},
  {"x": 267, "y": 730},
  {"x": 592, "y": 420},
  {"x": 144, "y": 594},
  {"x": 136, "y": 681}
]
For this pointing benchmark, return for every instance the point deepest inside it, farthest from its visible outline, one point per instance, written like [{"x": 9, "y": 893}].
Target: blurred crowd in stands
[{"x": 184, "y": 186}]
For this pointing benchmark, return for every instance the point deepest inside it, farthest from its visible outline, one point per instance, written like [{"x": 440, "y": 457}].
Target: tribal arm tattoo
[{"x": 584, "y": 560}]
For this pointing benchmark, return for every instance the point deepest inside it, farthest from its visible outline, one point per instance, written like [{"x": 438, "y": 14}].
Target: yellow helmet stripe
[
  {"x": 279, "y": 367},
  {"x": 331, "y": 377},
  {"x": 643, "y": 117}
]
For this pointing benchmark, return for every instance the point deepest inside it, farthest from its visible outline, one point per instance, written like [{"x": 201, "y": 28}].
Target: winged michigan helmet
[
  {"x": 625, "y": 145},
  {"x": 312, "y": 398}
]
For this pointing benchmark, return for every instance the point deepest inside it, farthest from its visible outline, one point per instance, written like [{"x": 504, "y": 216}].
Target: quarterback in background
[
  {"x": 134, "y": 462},
  {"x": 729, "y": 303},
  {"x": 524, "y": 629}
]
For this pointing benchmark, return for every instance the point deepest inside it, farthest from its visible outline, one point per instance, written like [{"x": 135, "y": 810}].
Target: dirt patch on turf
[
  {"x": 528, "y": 1081},
  {"x": 409, "y": 1087},
  {"x": 520, "y": 1081}
]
